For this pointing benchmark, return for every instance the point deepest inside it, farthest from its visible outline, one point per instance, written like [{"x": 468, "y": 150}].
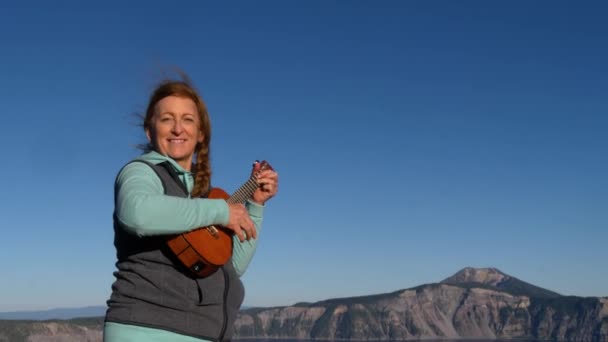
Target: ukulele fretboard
[{"x": 244, "y": 192}]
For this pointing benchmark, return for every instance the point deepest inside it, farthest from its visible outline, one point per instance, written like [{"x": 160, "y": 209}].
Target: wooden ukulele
[{"x": 204, "y": 250}]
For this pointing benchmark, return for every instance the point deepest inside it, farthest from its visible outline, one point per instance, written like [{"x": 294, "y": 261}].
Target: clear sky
[{"x": 412, "y": 139}]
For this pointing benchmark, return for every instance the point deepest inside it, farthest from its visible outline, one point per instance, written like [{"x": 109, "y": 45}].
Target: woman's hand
[
  {"x": 268, "y": 184},
  {"x": 240, "y": 222}
]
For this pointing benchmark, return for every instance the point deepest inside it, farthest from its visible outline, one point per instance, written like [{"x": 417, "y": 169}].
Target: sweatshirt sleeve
[
  {"x": 144, "y": 209},
  {"x": 243, "y": 251}
]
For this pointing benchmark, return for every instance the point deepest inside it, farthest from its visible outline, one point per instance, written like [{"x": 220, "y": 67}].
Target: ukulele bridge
[{"x": 213, "y": 231}]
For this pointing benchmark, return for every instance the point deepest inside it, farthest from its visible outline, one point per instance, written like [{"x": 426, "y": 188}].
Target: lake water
[{"x": 423, "y": 340}]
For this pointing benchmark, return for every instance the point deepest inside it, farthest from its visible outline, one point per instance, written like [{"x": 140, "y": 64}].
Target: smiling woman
[{"x": 157, "y": 197}]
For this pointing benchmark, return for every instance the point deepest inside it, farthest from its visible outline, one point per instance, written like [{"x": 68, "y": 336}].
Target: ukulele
[{"x": 205, "y": 249}]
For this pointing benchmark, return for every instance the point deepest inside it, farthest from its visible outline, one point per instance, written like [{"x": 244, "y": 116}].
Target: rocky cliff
[
  {"x": 474, "y": 303},
  {"x": 82, "y": 330}
]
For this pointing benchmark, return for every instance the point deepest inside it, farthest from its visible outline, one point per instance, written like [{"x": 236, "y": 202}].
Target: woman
[{"x": 154, "y": 298}]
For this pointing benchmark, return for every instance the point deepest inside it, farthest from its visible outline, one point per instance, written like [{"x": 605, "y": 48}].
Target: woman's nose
[{"x": 177, "y": 127}]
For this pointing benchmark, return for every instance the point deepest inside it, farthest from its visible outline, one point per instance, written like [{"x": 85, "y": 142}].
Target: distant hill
[{"x": 60, "y": 313}]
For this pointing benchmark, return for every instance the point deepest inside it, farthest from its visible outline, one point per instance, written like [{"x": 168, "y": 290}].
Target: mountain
[
  {"x": 474, "y": 303},
  {"x": 493, "y": 278},
  {"x": 60, "y": 313}
]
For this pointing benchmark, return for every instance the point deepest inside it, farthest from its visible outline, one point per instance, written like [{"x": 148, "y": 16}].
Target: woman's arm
[
  {"x": 268, "y": 181},
  {"x": 243, "y": 251},
  {"x": 144, "y": 209}
]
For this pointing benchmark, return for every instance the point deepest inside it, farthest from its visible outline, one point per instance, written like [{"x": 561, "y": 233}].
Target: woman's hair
[{"x": 184, "y": 88}]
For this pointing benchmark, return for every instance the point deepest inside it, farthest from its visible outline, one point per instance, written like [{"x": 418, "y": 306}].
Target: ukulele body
[{"x": 204, "y": 250}]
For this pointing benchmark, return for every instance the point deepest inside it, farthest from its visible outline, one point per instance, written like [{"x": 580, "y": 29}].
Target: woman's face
[{"x": 175, "y": 129}]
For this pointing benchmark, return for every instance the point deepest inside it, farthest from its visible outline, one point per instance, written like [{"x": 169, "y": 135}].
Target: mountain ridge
[
  {"x": 55, "y": 313},
  {"x": 473, "y": 303},
  {"x": 461, "y": 278}
]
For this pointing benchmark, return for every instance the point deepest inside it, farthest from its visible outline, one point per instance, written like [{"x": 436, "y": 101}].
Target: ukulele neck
[{"x": 244, "y": 192}]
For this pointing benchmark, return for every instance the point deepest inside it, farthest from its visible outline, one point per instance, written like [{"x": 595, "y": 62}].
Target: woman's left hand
[{"x": 268, "y": 184}]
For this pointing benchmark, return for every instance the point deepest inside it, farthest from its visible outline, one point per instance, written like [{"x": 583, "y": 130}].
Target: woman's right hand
[{"x": 240, "y": 222}]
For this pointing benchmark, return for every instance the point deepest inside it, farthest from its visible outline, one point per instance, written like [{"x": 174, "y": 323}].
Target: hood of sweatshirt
[{"x": 156, "y": 158}]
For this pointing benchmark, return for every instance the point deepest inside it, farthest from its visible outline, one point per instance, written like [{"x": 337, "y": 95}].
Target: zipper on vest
[{"x": 224, "y": 306}]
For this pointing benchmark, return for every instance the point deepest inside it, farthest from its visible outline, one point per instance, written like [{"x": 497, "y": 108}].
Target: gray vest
[{"x": 152, "y": 288}]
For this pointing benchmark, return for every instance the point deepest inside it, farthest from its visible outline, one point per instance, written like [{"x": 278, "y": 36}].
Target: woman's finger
[
  {"x": 249, "y": 227},
  {"x": 239, "y": 233}
]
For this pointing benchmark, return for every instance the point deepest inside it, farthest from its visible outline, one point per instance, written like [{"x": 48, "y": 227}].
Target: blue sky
[{"x": 412, "y": 139}]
